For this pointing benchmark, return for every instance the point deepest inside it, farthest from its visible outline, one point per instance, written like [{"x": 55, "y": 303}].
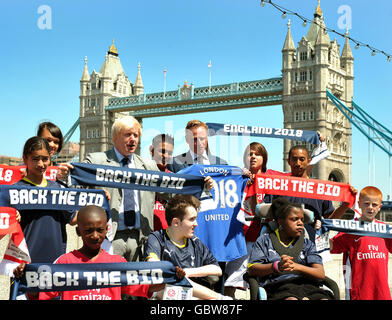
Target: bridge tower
[
  {"x": 307, "y": 71},
  {"x": 95, "y": 91}
]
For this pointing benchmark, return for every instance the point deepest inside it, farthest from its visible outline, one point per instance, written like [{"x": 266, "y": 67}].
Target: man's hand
[
  {"x": 107, "y": 194},
  {"x": 322, "y": 138},
  {"x": 339, "y": 212},
  {"x": 250, "y": 175},
  {"x": 353, "y": 190},
  {"x": 63, "y": 171},
  {"x": 180, "y": 273},
  {"x": 209, "y": 182},
  {"x": 19, "y": 270}
]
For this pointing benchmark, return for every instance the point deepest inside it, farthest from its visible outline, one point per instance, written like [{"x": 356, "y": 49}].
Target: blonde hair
[
  {"x": 370, "y": 191},
  {"x": 125, "y": 122},
  {"x": 195, "y": 124}
]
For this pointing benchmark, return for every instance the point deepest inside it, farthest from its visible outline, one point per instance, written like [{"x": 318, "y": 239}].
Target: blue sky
[{"x": 40, "y": 69}]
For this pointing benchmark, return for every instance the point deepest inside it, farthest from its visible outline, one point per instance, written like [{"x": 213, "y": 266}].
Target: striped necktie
[
  {"x": 131, "y": 218},
  {"x": 199, "y": 159}
]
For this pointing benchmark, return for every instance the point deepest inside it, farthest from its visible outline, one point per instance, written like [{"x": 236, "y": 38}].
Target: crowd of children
[{"x": 283, "y": 259}]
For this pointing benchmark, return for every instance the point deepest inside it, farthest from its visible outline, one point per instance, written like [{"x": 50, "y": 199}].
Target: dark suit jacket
[
  {"x": 184, "y": 160},
  {"x": 147, "y": 198}
]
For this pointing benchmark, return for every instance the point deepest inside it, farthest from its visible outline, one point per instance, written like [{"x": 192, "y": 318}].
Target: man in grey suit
[
  {"x": 132, "y": 210},
  {"x": 126, "y": 133},
  {"x": 197, "y": 139}
]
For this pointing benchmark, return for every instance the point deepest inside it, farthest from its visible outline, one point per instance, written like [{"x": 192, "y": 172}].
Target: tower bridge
[
  {"x": 310, "y": 69},
  {"x": 188, "y": 99}
]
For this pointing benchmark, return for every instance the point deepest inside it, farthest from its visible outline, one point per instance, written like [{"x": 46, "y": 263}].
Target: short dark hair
[
  {"x": 162, "y": 138},
  {"x": 33, "y": 144},
  {"x": 54, "y": 131},
  {"x": 90, "y": 209},
  {"x": 297, "y": 147},
  {"x": 175, "y": 207},
  {"x": 280, "y": 208}
]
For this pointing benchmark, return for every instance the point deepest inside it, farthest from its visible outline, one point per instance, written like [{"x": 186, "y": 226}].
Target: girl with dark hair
[
  {"x": 44, "y": 230},
  {"x": 51, "y": 133},
  {"x": 286, "y": 262}
]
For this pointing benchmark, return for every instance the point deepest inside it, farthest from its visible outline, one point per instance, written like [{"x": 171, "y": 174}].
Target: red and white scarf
[
  {"x": 11, "y": 174},
  {"x": 17, "y": 251},
  {"x": 301, "y": 187}
]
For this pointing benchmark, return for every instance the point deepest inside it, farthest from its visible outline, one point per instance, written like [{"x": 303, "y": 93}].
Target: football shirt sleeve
[
  {"x": 153, "y": 248},
  {"x": 207, "y": 256},
  {"x": 340, "y": 243},
  {"x": 258, "y": 252}
]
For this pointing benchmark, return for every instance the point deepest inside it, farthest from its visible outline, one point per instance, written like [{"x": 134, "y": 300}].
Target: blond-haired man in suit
[
  {"x": 126, "y": 133},
  {"x": 196, "y": 136}
]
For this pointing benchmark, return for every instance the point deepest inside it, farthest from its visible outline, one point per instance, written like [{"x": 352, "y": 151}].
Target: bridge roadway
[
  {"x": 333, "y": 268},
  {"x": 188, "y": 99}
]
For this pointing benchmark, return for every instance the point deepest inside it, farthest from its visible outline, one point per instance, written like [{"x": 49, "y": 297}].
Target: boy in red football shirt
[
  {"x": 365, "y": 258},
  {"x": 92, "y": 228}
]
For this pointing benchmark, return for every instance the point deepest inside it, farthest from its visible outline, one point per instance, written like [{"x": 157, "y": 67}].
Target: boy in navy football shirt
[{"x": 178, "y": 244}]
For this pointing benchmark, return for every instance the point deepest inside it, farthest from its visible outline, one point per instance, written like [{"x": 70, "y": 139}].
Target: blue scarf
[
  {"x": 255, "y": 131},
  {"x": 83, "y": 276},
  {"x": 357, "y": 227},
  {"x": 67, "y": 199},
  {"x": 123, "y": 177}
]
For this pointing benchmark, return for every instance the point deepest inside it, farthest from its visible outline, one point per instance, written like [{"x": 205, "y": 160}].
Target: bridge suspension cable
[
  {"x": 382, "y": 137},
  {"x": 373, "y": 130},
  {"x": 69, "y": 134}
]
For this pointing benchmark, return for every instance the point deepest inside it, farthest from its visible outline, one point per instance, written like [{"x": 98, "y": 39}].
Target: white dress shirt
[{"x": 203, "y": 157}]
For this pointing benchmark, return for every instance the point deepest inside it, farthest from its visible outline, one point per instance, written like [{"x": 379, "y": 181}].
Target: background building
[
  {"x": 69, "y": 153},
  {"x": 10, "y": 161},
  {"x": 95, "y": 91},
  {"x": 308, "y": 70}
]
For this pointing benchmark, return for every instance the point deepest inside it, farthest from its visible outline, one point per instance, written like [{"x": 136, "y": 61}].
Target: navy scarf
[
  {"x": 124, "y": 177},
  {"x": 83, "y": 276}
]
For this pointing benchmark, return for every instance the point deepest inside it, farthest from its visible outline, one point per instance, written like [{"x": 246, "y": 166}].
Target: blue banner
[
  {"x": 67, "y": 199},
  {"x": 357, "y": 227},
  {"x": 83, "y": 276},
  {"x": 255, "y": 131},
  {"x": 123, "y": 177}
]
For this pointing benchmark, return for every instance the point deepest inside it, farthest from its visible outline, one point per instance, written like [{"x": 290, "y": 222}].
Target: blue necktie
[{"x": 131, "y": 218}]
